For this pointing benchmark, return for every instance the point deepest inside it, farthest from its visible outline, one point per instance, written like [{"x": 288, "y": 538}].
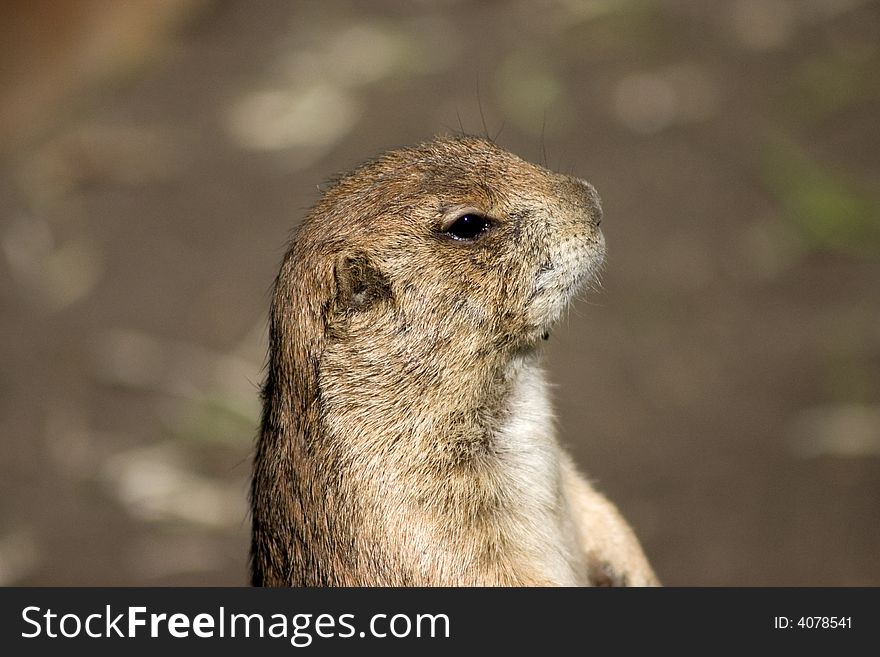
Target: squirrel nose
[
  {"x": 594, "y": 202},
  {"x": 586, "y": 196}
]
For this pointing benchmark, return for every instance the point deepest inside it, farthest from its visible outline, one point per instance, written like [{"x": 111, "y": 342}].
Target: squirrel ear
[{"x": 359, "y": 284}]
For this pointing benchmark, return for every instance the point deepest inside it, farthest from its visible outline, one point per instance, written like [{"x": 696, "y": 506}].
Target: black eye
[{"x": 468, "y": 227}]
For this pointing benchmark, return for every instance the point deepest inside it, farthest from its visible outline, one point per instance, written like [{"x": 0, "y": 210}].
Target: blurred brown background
[{"x": 723, "y": 388}]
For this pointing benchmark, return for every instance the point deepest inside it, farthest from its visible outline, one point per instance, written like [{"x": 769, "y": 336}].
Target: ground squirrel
[{"x": 407, "y": 437}]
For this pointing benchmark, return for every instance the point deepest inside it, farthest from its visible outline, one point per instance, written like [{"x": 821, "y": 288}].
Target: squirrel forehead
[
  {"x": 451, "y": 163},
  {"x": 441, "y": 171}
]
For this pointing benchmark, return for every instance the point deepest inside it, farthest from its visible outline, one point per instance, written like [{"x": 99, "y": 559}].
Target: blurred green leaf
[
  {"x": 830, "y": 212},
  {"x": 214, "y": 419}
]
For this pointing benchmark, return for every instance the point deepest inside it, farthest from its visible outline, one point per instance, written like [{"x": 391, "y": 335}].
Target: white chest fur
[{"x": 536, "y": 520}]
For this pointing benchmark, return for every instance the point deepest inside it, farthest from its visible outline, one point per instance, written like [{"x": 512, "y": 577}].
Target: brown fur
[{"x": 406, "y": 438}]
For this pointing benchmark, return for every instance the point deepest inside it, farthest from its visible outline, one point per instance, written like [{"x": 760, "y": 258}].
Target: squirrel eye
[{"x": 468, "y": 227}]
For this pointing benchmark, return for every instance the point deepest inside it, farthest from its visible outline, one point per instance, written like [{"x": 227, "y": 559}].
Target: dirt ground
[{"x": 723, "y": 387}]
